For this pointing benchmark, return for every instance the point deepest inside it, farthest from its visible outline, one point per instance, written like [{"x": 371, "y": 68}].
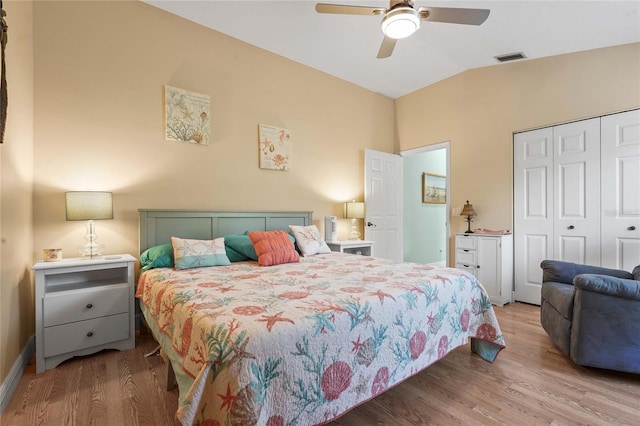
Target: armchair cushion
[{"x": 560, "y": 296}]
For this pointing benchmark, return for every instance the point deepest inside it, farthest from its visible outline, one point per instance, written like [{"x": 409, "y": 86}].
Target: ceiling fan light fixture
[{"x": 400, "y": 22}]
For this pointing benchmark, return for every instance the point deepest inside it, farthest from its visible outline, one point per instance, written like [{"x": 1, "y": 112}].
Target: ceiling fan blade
[
  {"x": 386, "y": 48},
  {"x": 454, "y": 15},
  {"x": 349, "y": 10}
]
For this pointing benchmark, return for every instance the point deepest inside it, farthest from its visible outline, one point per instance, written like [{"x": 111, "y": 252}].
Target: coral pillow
[
  {"x": 273, "y": 248},
  {"x": 309, "y": 240}
]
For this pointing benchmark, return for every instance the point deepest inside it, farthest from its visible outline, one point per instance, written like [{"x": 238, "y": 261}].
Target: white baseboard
[{"x": 8, "y": 387}]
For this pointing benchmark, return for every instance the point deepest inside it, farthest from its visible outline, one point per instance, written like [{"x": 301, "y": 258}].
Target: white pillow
[
  {"x": 309, "y": 240},
  {"x": 199, "y": 253}
]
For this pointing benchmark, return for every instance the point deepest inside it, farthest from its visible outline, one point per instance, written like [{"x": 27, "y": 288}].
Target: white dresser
[
  {"x": 82, "y": 307},
  {"x": 490, "y": 259}
]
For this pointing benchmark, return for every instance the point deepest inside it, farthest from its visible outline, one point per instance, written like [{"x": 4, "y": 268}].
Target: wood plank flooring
[{"x": 530, "y": 383}]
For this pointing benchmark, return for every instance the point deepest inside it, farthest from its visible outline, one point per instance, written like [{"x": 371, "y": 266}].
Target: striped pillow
[{"x": 198, "y": 253}]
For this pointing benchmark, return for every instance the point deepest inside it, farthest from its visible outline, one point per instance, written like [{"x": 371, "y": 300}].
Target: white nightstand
[
  {"x": 82, "y": 307},
  {"x": 352, "y": 246}
]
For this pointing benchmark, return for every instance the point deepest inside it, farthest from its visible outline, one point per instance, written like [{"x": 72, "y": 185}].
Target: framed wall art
[
  {"x": 275, "y": 147},
  {"x": 434, "y": 188},
  {"x": 187, "y": 116}
]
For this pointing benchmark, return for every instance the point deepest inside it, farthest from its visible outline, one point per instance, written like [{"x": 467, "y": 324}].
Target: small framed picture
[{"x": 434, "y": 188}]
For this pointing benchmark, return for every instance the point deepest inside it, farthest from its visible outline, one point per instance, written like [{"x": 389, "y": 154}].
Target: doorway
[{"x": 425, "y": 224}]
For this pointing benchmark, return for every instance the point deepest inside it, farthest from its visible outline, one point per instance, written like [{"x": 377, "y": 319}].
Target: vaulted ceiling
[{"x": 346, "y": 45}]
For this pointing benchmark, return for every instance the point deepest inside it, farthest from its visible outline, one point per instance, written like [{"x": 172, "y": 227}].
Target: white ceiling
[{"x": 346, "y": 45}]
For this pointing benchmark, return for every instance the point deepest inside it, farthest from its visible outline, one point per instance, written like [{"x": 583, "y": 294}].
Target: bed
[{"x": 299, "y": 343}]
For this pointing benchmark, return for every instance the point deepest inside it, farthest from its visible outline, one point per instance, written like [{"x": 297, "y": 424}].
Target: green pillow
[{"x": 157, "y": 257}]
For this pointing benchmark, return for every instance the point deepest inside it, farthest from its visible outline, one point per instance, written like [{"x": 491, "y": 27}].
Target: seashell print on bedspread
[{"x": 302, "y": 343}]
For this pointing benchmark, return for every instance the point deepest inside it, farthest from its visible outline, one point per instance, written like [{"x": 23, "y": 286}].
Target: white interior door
[
  {"x": 533, "y": 210},
  {"x": 576, "y": 208},
  {"x": 620, "y": 158},
  {"x": 383, "y": 199}
]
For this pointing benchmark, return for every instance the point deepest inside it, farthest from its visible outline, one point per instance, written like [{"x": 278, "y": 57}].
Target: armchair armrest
[
  {"x": 613, "y": 286},
  {"x": 564, "y": 272}
]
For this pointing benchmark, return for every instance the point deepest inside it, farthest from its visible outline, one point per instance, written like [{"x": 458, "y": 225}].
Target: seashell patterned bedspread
[{"x": 302, "y": 343}]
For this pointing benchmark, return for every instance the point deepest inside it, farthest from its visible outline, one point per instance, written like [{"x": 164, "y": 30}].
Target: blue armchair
[{"x": 592, "y": 314}]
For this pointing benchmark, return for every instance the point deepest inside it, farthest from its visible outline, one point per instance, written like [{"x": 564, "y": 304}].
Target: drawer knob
[
  {"x": 571, "y": 227},
  {"x": 631, "y": 228},
  {"x": 467, "y": 250},
  {"x": 89, "y": 334},
  {"x": 89, "y": 305}
]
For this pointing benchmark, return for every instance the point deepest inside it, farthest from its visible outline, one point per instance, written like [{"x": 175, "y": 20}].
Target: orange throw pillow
[{"x": 273, "y": 248}]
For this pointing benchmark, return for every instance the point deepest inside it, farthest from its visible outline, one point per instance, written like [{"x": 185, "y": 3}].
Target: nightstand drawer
[
  {"x": 79, "y": 305},
  {"x": 85, "y": 334},
  {"x": 466, "y": 256}
]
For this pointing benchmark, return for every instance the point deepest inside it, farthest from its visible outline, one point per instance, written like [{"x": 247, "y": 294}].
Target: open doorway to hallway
[{"x": 425, "y": 222}]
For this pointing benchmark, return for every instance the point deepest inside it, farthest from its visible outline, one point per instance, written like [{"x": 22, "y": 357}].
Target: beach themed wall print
[
  {"x": 187, "y": 116},
  {"x": 434, "y": 188},
  {"x": 275, "y": 147}
]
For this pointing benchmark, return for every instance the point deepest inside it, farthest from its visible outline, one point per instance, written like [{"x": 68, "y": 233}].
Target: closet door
[
  {"x": 620, "y": 159},
  {"x": 576, "y": 211},
  {"x": 533, "y": 210}
]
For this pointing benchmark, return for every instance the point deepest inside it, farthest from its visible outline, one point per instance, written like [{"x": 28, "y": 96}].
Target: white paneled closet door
[
  {"x": 576, "y": 197},
  {"x": 576, "y": 210},
  {"x": 533, "y": 210},
  {"x": 620, "y": 141}
]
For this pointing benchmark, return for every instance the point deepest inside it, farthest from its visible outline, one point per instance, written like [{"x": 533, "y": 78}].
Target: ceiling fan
[{"x": 401, "y": 19}]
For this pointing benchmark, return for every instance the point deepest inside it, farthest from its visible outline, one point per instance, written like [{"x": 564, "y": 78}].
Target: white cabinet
[
  {"x": 576, "y": 197},
  {"x": 82, "y": 307},
  {"x": 490, "y": 259},
  {"x": 352, "y": 246}
]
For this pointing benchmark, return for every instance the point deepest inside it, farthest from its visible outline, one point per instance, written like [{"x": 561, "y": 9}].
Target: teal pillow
[
  {"x": 239, "y": 247},
  {"x": 157, "y": 257}
]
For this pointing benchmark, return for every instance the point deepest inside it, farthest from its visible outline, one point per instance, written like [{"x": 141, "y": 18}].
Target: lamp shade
[
  {"x": 354, "y": 210},
  {"x": 88, "y": 205},
  {"x": 468, "y": 210}
]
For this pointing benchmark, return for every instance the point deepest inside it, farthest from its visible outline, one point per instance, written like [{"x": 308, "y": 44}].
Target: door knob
[
  {"x": 371, "y": 224},
  {"x": 571, "y": 226},
  {"x": 631, "y": 228}
]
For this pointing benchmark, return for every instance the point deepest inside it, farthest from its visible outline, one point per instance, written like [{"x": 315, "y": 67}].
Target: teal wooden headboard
[{"x": 158, "y": 226}]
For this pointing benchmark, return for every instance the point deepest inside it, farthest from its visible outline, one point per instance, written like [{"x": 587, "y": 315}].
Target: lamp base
[
  {"x": 91, "y": 249},
  {"x": 355, "y": 233},
  {"x": 468, "y": 231}
]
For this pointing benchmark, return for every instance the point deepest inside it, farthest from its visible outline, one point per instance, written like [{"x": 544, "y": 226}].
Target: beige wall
[
  {"x": 478, "y": 111},
  {"x": 99, "y": 75},
  {"x": 16, "y": 158}
]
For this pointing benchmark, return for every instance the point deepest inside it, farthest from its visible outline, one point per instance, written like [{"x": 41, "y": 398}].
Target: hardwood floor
[{"x": 530, "y": 383}]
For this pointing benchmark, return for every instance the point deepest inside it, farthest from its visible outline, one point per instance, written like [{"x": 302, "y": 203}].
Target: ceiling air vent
[{"x": 510, "y": 57}]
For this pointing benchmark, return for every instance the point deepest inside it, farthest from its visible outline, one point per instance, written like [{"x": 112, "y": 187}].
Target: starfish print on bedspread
[
  {"x": 272, "y": 319},
  {"x": 228, "y": 398}
]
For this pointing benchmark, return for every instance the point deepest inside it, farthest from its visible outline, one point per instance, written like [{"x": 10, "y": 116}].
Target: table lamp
[
  {"x": 469, "y": 212},
  {"x": 89, "y": 206},
  {"x": 354, "y": 211}
]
